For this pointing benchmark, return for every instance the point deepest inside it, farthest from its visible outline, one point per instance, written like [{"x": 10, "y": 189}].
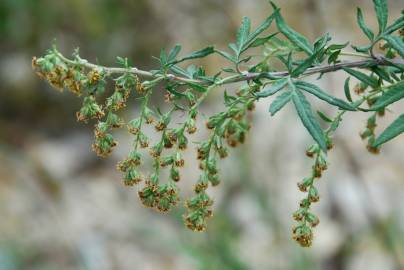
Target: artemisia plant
[{"x": 379, "y": 84}]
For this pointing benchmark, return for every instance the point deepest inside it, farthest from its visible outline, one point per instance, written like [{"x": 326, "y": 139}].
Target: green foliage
[{"x": 379, "y": 84}]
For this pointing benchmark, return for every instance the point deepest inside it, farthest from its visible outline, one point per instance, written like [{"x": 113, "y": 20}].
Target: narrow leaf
[
  {"x": 226, "y": 55},
  {"x": 274, "y": 88},
  {"x": 397, "y": 24},
  {"x": 324, "y": 117},
  {"x": 279, "y": 102},
  {"x": 393, "y": 94},
  {"x": 163, "y": 56},
  {"x": 371, "y": 81},
  {"x": 315, "y": 90},
  {"x": 347, "y": 90},
  {"x": 251, "y": 38},
  {"x": 198, "y": 54},
  {"x": 297, "y": 39},
  {"x": 308, "y": 119},
  {"x": 397, "y": 43},
  {"x": 334, "y": 47},
  {"x": 304, "y": 65},
  {"x": 362, "y": 25},
  {"x": 197, "y": 87},
  {"x": 381, "y": 13},
  {"x": 174, "y": 52},
  {"x": 243, "y": 32},
  {"x": 333, "y": 58},
  {"x": 392, "y": 131},
  {"x": 261, "y": 41},
  {"x": 180, "y": 71},
  {"x": 233, "y": 47}
]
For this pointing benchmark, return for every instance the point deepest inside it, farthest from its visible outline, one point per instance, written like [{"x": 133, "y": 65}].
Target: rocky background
[{"x": 61, "y": 207}]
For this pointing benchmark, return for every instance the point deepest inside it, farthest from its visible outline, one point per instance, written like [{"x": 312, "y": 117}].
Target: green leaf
[
  {"x": 233, "y": 47},
  {"x": 324, "y": 117},
  {"x": 228, "y": 56},
  {"x": 297, "y": 39},
  {"x": 334, "y": 47},
  {"x": 393, "y": 94},
  {"x": 308, "y": 119},
  {"x": 243, "y": 33},
  {"x": 382, "y": 73},
  {"x": 163, "y": 57},
  {"x": 315, "y": 90},
  {"x": 198, "y": 54},
  {"x": 229, "y": 70},
  {"x": 382, "y": 11},
  {"x": 261, "y": 41},
  {"x": 304, "y": 65},
  {"x": 371, "y": 81},
  {"x": 362, "y": 25},
  {"x": 180, "y": 71},
  {"x": 397, "y": 43},
  {"x": 397, "y": 24},
  {"x": 174, "y": 52},
  {"x": 392, "y": 131},
  {"x": 279, "y": 102},
  {"x": 274, "y": 88},
  {"x": 197, "y": 87},
  {"x": 252, "y": 37},
  {"x": 347, "y": 90},
  {"x": 333, "y": 58},
  {"x": 362, "y": 49}
]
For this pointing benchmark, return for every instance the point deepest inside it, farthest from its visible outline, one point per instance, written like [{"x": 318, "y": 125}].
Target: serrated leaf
[
  {"x": 361, "y": 22},
  {"x": 297, "y": 39},
  {"x": 174, "y": 52},
  {"x": 243, "y": 33},
  {"x": 382, "y": 11},
  {"x": 198, "y": 54},
  {"x": 308, "y": 119},
  {"x": 397, "y": 43},
  {"x": 347, "y": 90},
  {"x": 371, "y": 81},
  {"x": 274, "y": 88},
  {"x": 392, "y": 131},
  {"x": 252, "y": 37},
  {"x": 315, "y": 90},
  {"x": 393, "y": 94},
  {"x": 279, "y": 102}
]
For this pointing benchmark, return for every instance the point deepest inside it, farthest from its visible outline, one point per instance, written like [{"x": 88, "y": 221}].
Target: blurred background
[{"x": 61, "y": 207}]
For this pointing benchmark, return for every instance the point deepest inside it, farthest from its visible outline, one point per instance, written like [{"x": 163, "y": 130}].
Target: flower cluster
[
  {"x": 370, "y": 135},
  {"x": 303, "y": 233}
]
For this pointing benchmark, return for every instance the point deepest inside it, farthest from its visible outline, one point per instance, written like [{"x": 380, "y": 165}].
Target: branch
[{"x": 245, "y": 76}]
